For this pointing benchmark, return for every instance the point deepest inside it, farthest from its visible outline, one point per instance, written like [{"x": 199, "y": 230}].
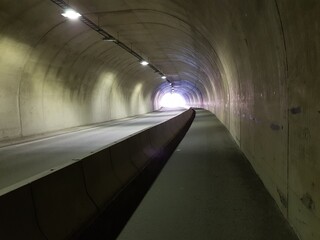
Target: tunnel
[{"x": 253, "y": 64}]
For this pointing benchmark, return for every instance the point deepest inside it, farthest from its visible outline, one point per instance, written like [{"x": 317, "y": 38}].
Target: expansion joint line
[{"x": 287, "y": 103}]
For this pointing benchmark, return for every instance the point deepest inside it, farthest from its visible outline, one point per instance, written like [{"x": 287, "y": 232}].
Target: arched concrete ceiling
[
  {"x": 64, "y": 66},
  {"x": 255, "y": 64}
]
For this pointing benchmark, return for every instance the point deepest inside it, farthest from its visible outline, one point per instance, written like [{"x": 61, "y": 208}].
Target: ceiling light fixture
[
  {"x": 71, "y": 14},
  {"x": 144, "y": 63},
  {"x": 107, "y": 39},
  {"x": 163, "y": 77}
]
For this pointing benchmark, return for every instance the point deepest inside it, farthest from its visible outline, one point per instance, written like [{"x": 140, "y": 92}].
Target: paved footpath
[{"x": 207, "y": 191}]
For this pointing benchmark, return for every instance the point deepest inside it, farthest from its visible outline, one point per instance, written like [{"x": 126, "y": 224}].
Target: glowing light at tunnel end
[{"x": 172, "y": 100}]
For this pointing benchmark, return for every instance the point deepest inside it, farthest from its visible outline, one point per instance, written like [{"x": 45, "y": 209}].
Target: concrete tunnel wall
[
  {"x": 57, "y": 74},
  {"x": 255, "y": 64}
]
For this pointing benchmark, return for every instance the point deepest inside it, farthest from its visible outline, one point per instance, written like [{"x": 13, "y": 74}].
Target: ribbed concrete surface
[{"x": 207, "y": 190}]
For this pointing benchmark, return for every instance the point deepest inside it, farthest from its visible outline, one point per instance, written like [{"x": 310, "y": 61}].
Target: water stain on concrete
[
  {"x": 295, "y": 110},
  {"x": 275, "y": 127},
  {"x": 283, "y": 199},
  {"x": 308, "y": 201},
  {"x": 306, "y": 134},
  {"x": 246, "y": 42}
]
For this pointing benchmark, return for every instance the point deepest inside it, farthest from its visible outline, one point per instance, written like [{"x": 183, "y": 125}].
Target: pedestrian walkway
[{"x": 207, "y": 191}]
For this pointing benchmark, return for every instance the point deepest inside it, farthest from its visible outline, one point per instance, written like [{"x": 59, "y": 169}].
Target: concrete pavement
[
  {"x": 207, "y": 191},
  {"x": 26, "y": 162}
]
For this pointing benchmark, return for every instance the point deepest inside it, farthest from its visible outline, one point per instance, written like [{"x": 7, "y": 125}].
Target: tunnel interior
[{"x": 254, "y": 64}]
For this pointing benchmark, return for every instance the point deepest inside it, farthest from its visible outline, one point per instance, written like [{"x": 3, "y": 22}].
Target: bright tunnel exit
[{"x": 172, "y": 100}]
